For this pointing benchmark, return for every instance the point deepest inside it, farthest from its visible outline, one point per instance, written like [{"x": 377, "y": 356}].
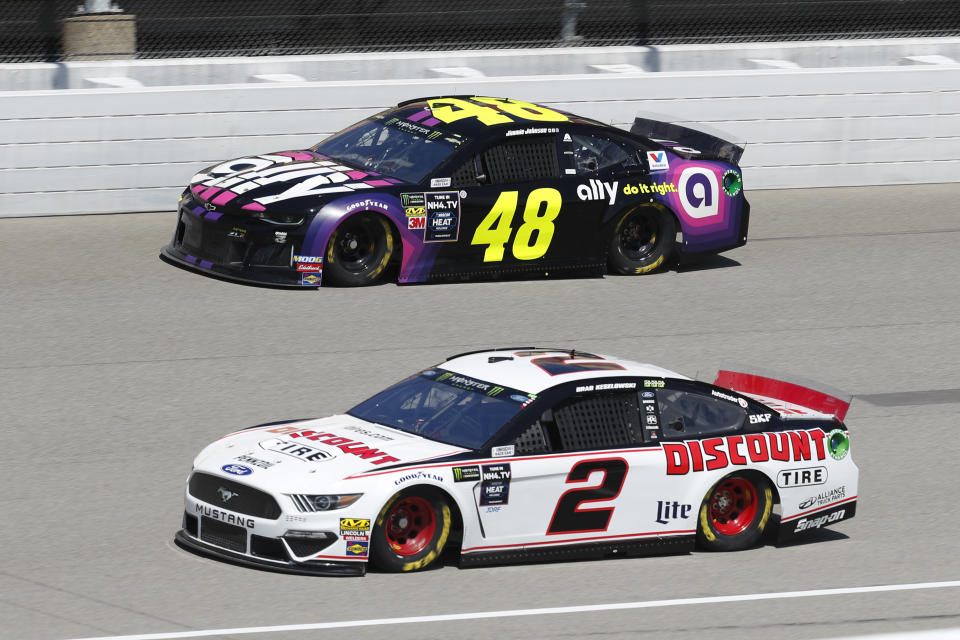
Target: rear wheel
[
  {"x": 642, "y": 241},
  {"x": 735, "y": 513},
  {"x": 411, "y": 531},
  {"x": 359, "y": 251}
]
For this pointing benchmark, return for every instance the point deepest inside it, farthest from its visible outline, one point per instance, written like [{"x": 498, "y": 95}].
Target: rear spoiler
[
  {"x": 675, "y": 135},
  {"x": 805, "y": 394}
]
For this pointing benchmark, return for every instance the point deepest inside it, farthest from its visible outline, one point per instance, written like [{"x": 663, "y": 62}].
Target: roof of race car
[
  {"x": 533, "y": 369},
  {"x": 477, "y": 115}
]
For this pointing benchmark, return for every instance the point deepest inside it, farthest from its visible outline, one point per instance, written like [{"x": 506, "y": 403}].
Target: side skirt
[
  {"x": 644, "y": 547},
  {"x": 796, "y": 527}
]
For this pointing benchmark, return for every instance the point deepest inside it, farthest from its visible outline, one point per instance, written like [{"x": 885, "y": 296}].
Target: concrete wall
[{"x": 117, "y": 150}]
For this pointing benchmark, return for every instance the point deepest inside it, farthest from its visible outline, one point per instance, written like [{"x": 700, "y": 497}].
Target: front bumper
[
  {"x": 314, "y": 567},
  {"x": 253, "y": 529},
  {"x": 238, "y": 247}
]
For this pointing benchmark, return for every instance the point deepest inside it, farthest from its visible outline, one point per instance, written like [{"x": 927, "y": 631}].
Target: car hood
[
  {"x": 308, "y": 455},
  {"x": 281, "y": 180}
]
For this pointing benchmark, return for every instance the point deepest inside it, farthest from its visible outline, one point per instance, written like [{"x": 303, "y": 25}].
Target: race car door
[
  {"x": 581, "y": 473},
  {"x": 518, "y": 212}
]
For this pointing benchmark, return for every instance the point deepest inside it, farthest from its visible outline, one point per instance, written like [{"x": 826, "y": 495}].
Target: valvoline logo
[
  {"x": 658, "y": 160},
  {"x": 237, "y": 469}
]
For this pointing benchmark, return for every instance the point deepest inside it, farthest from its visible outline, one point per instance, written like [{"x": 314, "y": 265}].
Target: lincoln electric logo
[{"x": 226, "y": 495}]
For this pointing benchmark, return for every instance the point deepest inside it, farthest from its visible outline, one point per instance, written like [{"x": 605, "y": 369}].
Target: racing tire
[
  {"x": 735, "y": 513},
  {"x": 642, "y": 241},
  {"x": 411, "y": 531},
  {"x": 359, "y": 251}
]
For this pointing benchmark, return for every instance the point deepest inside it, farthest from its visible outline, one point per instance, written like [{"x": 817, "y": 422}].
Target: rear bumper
[{"x": 314, "y": 567}]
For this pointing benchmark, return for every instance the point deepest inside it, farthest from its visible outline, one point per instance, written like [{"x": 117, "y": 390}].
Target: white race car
[{"x": 526, "y": 454}]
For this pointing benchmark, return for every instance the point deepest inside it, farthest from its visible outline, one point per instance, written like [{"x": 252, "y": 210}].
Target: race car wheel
[
  {"x": 642, "y": 241},
  {"x": 735, "y": 513},
  {"x": 411, "y": 531},
  {"x": 359, "y": 251}
]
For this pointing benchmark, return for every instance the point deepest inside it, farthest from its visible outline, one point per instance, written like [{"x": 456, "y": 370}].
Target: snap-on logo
[{"x": 698, "y": 192}]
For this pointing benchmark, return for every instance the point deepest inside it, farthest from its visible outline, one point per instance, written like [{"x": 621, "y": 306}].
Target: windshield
[
  {"x": 397, "y": 148},
  {"x": 444, "y": 406}
]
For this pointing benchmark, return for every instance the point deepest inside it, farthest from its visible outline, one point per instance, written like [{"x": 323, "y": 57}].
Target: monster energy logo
[
  {"x": 466, "y": 474},
  {"x": 495, "y": 391},
  {"x": 445, "y": 376},
  {"x": 434, "y": 135}
]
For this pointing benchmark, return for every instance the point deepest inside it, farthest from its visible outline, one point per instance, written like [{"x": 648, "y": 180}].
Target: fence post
[
  {"x": 99, "y": 30},
  {"x": 568, "y": 31}
]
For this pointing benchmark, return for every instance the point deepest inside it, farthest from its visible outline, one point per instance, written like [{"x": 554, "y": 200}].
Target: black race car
[{"x": 464, "y": 187}]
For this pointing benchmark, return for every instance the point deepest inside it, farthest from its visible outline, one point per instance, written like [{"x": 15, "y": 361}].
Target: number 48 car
[
  {"x": 526, "y": 454},
  {"x": 464, "y": 187}
]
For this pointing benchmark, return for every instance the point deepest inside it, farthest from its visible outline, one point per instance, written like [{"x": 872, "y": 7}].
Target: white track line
[{"x": 479, "y": 615}]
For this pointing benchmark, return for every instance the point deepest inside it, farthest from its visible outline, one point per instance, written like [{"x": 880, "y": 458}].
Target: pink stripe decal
[
  {"x": 357, "y": 175},
  {"x": 418, "y": 116},
  {"x": 208, "y": 192},
  {"x": 197, "y": 188},
  {"x": 296, "y": 155},
  {"x": 377, "y": 183},
  {"x": 429, "y": 122},
  {"x": 224, "y": 197},
  {"x": 254, "y": 206}
]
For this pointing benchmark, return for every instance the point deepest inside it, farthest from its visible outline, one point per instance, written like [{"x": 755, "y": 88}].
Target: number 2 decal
[
  {"x": 495, "y": 229},
  {"x": 569, "y": 517}
]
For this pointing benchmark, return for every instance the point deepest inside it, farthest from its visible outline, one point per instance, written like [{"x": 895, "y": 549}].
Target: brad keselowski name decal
[
  {"x": 374, "y": 456},
  {"x": 716, "y": 453}
]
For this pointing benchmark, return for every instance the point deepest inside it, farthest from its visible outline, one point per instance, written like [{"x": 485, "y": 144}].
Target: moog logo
[{"x": 698, "y": 192}]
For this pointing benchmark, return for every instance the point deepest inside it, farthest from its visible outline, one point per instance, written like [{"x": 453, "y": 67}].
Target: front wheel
[
  {"x": 642, "y": 241},
  {"x": 359, "y": 251},
  {"x": 411, "y": 531},
  {"x": 734, "y": 514}
]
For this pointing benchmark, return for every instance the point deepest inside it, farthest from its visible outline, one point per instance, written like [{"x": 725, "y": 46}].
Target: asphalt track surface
[{"x": 115, "y": 369}]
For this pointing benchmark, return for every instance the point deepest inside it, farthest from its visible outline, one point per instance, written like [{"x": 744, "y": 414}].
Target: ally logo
[{"x": 698, "y": 192}]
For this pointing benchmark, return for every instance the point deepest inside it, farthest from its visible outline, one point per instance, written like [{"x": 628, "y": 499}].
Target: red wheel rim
[
  {"x": 733, "y": 505},
  {"x": 410, "y": 525}
]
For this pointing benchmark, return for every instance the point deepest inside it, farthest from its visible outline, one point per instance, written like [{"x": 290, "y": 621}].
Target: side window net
[
  {"x": 597, "y": 421},
  {"x": 465, "y": 175},
  {"x": 531, "y": 440},
  {"x": 521, "y": 161}
]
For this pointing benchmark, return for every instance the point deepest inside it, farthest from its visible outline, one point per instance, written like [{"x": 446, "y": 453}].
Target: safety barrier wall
[{"x": 119, "y": 150}]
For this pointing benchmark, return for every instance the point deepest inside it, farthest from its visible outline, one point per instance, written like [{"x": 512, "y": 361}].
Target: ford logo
[
  {"x": 518, "y": 398},
  {"x": 237, "y": 469}
]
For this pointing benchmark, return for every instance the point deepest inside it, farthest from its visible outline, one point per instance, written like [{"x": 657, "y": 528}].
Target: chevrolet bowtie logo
[{"x": 226, "y": 494}]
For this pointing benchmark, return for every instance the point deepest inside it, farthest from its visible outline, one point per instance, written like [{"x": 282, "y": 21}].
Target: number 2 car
[
  {"x": 526, "y": 454},
  {"x": 461, "y": 187}
]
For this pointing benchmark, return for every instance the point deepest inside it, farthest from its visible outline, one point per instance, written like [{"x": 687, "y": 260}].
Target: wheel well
[
  {"x": 754, "y": 475},
  {"x": 457, "y": 523},
  {"x": 656, "y": 206},
  {"x": 394, "y": 232}
]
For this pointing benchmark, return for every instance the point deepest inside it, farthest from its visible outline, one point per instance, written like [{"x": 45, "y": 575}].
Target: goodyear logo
[{"x": 356, "y": 524}]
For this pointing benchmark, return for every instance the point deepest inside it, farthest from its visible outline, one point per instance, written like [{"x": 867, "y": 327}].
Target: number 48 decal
[
  {"x": 496, "y": 227},
  {"x": 569, "y": 516}
]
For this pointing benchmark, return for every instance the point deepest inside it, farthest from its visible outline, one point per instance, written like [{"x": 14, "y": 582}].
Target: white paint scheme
[
  {"x": 536, "y": 483},
  {"x": 118, "y": 150},
  {"x": 522, "y": 373}
]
